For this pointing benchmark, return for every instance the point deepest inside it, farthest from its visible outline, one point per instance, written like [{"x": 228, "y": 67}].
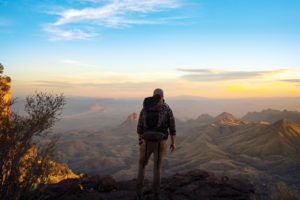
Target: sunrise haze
[{"x": 110, "y": 48}]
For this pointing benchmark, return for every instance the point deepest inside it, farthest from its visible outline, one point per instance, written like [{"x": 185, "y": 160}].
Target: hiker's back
[
  {"x": 155, "y": 123},
  {"x": 153, "y": 118}
]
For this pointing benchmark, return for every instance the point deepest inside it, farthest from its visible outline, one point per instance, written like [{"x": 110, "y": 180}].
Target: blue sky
[{"x": 124, "y": 48}]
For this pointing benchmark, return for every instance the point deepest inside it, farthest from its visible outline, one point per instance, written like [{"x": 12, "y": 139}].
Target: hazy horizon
[{"x": 85, "y": 113}]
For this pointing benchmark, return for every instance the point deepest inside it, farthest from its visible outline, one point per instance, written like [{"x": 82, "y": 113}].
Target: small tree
[{"x": 19, "y": 137}]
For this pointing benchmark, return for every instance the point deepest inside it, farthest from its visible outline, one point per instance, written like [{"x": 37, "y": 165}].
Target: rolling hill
[{"x": 261, "y": 152}]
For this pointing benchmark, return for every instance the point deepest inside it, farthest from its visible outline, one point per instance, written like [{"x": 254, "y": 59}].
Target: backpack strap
[
  {"x": 158, "y": 155},
  {"x": 145, "y": 159}
]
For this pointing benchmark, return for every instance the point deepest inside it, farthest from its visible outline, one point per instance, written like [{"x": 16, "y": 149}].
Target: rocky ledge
[{"x": 195, "y": 184}]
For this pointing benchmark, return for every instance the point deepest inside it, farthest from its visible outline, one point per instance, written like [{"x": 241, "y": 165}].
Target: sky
[{"x": 127, "y": 48}]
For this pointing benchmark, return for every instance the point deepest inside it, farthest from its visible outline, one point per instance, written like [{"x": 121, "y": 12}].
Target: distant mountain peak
[
  {"x": 225, "y": 116},
  {"x": 131, "y": 120},
  {"x": 205, "y": 117},
  {"x": 133, "y": 117}
]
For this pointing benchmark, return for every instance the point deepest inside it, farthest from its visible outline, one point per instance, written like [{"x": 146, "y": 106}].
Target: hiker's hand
[
  {"x": 172, "y": 147},
  {"x": 140, "y": 142}
]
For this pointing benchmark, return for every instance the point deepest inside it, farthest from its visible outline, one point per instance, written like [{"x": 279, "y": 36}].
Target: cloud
[
  {"x": 77, "y": 63},
  {"x": 60, "y": 34},
  {"x": 108, "y": 85},
  {"x": 115, "y": 13},
  {"x": 292, "y": 80},
  {"x": 241, "y": 88},
  {"x": 204, "y": 75},
  {"x": 55, "y": 84},
  {"x": 210, "y": 70},
  {"x": 87, "y": 1},
  {"x": 296, "y": 81}
]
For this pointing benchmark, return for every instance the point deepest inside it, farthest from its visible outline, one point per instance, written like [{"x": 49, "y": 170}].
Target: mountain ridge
[
  {"x": 235, "y": 147},
  {"x": 272, "y": 115}
]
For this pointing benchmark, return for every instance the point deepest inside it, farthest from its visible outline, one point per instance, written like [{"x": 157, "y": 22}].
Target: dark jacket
[{"x": 168, "y": 124}]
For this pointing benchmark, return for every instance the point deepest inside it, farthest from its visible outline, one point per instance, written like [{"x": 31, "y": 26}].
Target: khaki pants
[{"x": 159, "y": 149}]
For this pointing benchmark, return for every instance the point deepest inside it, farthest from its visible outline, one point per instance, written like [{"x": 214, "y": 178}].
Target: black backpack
[{"x": 153, "y": 118}]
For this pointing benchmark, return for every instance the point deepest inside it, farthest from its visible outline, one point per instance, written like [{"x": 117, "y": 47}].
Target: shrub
[{"x": 24, "y": 162}]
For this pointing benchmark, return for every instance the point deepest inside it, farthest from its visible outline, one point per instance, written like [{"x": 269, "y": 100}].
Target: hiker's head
[{"x": 159, "y": 92}]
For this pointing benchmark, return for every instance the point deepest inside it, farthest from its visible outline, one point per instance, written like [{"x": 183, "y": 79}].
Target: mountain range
[
  {"x": 271, "y": 115},
  {"x": 262, "y": 152},
  {"x": 85, "y": 113}
]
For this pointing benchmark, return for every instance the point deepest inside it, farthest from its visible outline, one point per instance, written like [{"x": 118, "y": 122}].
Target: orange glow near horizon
[{"x": 172, "y": 88}]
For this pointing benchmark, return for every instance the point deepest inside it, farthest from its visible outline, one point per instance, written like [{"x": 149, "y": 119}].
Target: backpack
[{"x": 153, "y": 118}]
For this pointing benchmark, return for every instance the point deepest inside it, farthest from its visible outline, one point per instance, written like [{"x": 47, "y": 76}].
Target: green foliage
[{"x": 1, "y": 68}]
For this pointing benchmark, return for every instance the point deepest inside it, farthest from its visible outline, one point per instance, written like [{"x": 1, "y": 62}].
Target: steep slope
[
  {"x": 201, "y": 146},
  {"x": 280, "y": 138},
  {"x": 273, "y": 149}
]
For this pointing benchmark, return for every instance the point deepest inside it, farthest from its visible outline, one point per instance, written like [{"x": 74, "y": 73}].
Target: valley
[{"x": 262, "y": 152}]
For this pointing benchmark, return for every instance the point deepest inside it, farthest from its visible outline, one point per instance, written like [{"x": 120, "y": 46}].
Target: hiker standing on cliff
[{"x": 156, "y": 122}]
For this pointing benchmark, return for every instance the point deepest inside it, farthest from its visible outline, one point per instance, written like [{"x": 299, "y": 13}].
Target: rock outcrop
[
  {"x": 194, "y": 185},
  {"x": 131, "y": 120},
  {"x": 57, "y": 171}
]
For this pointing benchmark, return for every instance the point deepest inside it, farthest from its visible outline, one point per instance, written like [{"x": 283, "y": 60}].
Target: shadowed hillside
[{"x": 225, "y": 144}]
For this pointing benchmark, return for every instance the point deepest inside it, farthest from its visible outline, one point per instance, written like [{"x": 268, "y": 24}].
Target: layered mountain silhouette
[
  {"x": 271, "y": 115},
  {"x": 261, "y": 152}
]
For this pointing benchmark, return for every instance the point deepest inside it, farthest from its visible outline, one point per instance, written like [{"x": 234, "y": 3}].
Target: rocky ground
[{"x": 193, "y": 185}]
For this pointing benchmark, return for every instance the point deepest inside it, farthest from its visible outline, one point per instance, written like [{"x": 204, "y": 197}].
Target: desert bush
[
  {"x": 23, "y": 161},
  {"x": 282, "y": 192}
]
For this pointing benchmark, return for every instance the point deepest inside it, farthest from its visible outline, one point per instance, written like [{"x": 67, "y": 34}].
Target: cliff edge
[{"x": 193, "y": 185}]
